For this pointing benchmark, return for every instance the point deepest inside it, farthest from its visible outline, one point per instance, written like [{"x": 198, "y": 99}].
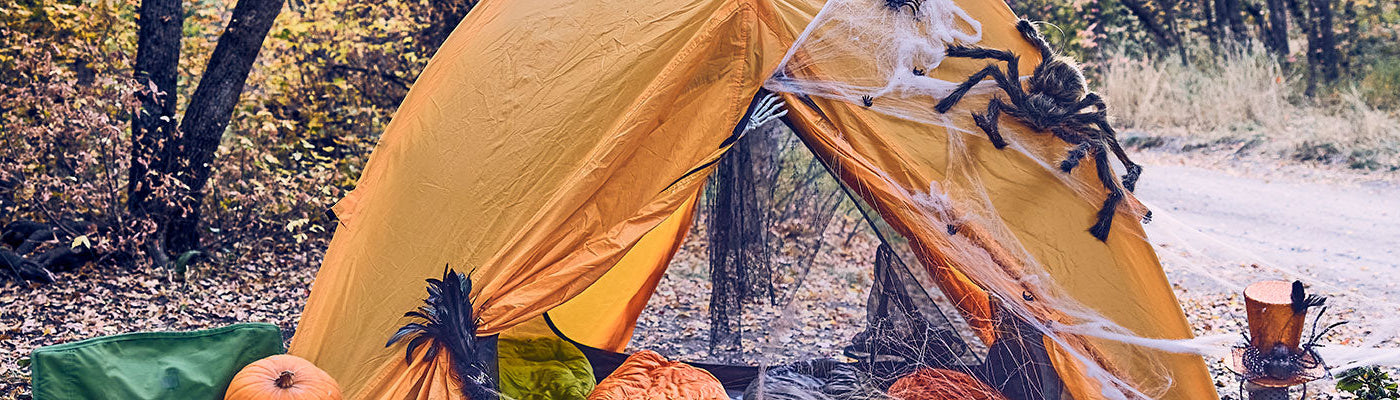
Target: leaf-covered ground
[
  {"x": 826, "y": 306},
  {"x": 94, "y": 302}
]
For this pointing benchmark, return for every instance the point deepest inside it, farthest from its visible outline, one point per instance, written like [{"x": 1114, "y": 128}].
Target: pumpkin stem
[{"x": 285, "y": 380}]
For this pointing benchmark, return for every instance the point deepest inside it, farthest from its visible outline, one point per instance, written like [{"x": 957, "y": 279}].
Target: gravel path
[{"x": 1343, "y": 229}]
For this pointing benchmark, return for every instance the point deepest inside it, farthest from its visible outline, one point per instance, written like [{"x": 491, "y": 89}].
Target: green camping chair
[{"x": 152, "y": 365}]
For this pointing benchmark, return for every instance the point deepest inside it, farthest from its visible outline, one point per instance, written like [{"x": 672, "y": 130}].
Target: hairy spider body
[{"x": 1056, "y": 100}]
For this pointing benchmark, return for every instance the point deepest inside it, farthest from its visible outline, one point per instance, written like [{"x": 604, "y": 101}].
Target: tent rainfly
[{"x": 555, "y": 149}]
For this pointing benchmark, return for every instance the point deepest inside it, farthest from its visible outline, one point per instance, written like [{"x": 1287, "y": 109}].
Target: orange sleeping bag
[
  {"x": 941, "y": 384},
  {"x": 649, "y": 376}
]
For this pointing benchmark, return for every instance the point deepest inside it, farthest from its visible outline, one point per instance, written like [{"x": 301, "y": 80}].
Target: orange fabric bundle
[
  {"x": 649, "y": 376},
  {"x": 942, "y": 384}
]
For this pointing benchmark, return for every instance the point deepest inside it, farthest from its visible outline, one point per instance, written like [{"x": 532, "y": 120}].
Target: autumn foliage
[{"x": 324, "y": 85}]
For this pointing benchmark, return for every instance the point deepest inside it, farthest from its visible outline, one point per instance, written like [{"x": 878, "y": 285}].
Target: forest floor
[
  {"x": 93, "y": 301},
  {"x": 1336, "y": 224}
]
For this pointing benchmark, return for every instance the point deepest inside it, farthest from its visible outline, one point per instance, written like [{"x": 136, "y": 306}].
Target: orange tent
[{"x": 556, "y": 149}]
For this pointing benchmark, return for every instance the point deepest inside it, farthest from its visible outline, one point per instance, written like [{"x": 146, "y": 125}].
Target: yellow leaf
[{"x": 296, "y": 223}]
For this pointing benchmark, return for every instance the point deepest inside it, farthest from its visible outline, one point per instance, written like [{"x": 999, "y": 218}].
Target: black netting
[
  {"x": 900, "y": 330},
  {"x": 737, "y": 215}
]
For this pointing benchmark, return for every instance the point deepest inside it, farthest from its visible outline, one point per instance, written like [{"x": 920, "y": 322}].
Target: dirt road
[{"x": 1343, "y": 229}]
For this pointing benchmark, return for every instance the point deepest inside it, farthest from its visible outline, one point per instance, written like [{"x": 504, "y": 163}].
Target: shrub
[{"x": 1368, "y": 383}]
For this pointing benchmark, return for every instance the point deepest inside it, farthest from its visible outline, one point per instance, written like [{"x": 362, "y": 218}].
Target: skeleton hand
[{"x": 769, "y": 109}]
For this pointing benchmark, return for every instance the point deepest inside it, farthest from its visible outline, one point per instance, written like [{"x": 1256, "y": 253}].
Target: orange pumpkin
[{"x": 282, "y": 377}]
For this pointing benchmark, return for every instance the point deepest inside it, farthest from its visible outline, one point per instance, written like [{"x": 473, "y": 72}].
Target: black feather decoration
[
  {"x": 1302, "y": 301},
  {"x": 445, "y": 321}
]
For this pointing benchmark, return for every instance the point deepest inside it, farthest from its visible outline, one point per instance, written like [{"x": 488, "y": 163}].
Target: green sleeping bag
[
  {"x": 152, "y": 365},
  {"x": 543, "y": 368}
]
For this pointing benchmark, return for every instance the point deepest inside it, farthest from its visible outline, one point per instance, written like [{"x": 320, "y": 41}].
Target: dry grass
[{"x": 1246, "y": 103}]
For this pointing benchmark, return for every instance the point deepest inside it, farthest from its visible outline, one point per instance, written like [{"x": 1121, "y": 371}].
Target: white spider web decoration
[{"x": 904, "y": 40}]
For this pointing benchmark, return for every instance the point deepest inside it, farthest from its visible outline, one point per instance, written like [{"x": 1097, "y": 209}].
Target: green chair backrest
[{"x": 152, "y": 365}]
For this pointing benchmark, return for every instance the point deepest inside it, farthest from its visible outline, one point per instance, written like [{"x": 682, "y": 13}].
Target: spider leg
[
  {"x": 980, "y": 53},
  {"x": 913, "y": 6},
  {"x": 957, "y": 94},
  {"x": 1083, "y": 144},
  {"x": 1134, "y": 170},
  {"x": 1076, "y": 154},
  {"x": 1005, "y": 80},
  {"x": 1006, "y": 85},
  {"x": 988, "y": 123},
  {"x": 1091, "y": 100},
  {"x": 1115, "y": 195},
  {"x": 1032, "y": 35},
  {"x": 1013, "y": 69},
  {"x": 1110, "y": 137}
]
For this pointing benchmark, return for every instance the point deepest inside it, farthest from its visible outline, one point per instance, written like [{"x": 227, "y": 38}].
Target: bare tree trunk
[
  {"x": 1222, "y": 22},
  {"x": 1322, "y": 45},
  {"x": 153, "y": 125},
  {"x": 212, "y": 105},
  {"x": 1261, "y": 23},
  {"x": 1153, "y": 21},
  {"x": 1235, "y": 16},
  {"x": 1209, "y": 27},
  {"x": 1349, "y": 37},
  {"x": 1170, "y": 12},
  {"x": 1278, "y": 29},
  {"x": 1296, "y": 8},
  {"x": 1229, "y": 22}
]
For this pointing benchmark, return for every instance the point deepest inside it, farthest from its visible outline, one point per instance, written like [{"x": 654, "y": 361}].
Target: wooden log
[{"x": 1268, "y": 306}]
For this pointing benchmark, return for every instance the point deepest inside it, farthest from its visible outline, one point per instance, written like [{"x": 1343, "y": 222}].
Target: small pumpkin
[{"x": 282, "y": 377}]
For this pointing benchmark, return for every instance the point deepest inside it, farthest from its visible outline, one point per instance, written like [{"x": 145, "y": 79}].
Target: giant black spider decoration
[{"x": 1057, "y": 101}]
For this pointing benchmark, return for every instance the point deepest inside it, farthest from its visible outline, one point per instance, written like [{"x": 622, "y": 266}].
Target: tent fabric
[
  {"x": 416, "y": 378},
  {"x": 543, "y": 368},
  {"x": 604, "y": 362},
  {"x": 152, "y": 365},
  {"x": 604, "y": 315},
  {"x": 533, "y": 159},
  {"x": 546, "y": 139},
  {"x": 649, "y": 376}
]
